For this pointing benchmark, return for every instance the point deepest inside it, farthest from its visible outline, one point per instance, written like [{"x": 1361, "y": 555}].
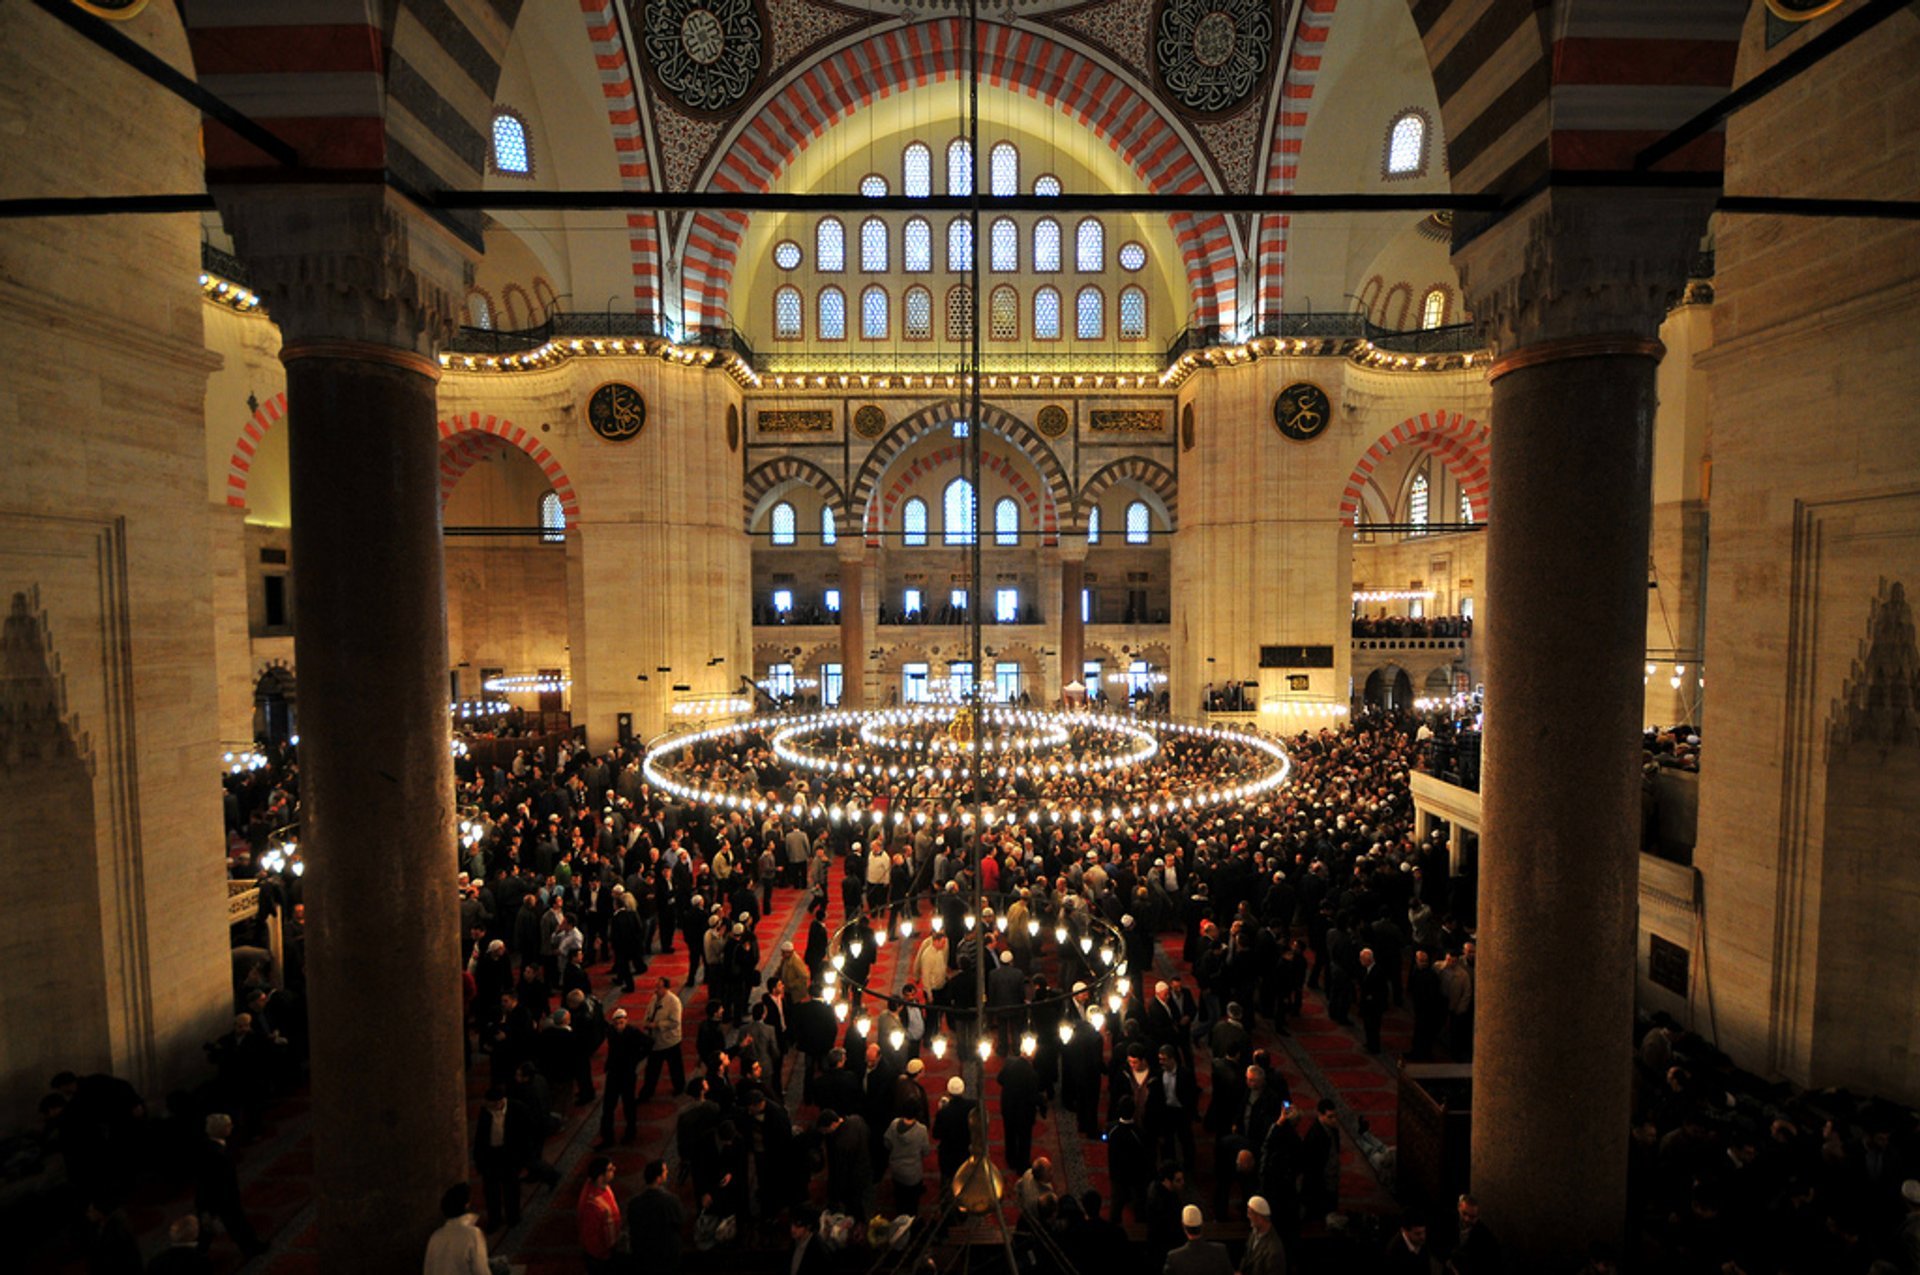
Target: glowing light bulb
[
  {"x": 1099, "y": 1020},
  {"x": 939, "y": 923},
  {"x": 939, "y": 1047},
  {"x": 1066, "y": 1033},
  {"x": 1060, "y": 935},
  {"x": 1106, "y": 954},
  {"x": 970, "y": 922},
  {"x": 1086, "y": 943},
  {"x": 906, "y": 929},
  {"x": 1115, "y": 1001},
  {"x": 1000, "y": 923},
  {"x": 855, "y": 948},
  {"x": 863, "y": 1024},
  {"x": 1029, "y": 1044},
  {"x": 840, "y": 1011},
  {"x": 897, "y": 1039},
  {"x": 985, "y": 1047},
  {"x": 839, "y": 961},
  {"x": 1033, "y": 928}
]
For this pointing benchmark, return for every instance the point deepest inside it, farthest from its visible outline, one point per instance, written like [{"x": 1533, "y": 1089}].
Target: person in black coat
[
  {"x": 953, "y": 1129},
  {"x": 1080, "y": 1065},
  {"x": 814, "y": 1028},
  {"x": 503, "y": 1143},
  {"x": 627, "y": 1049},
  {"x": 849, "y": 1162},
  {"x": 1280, "y": 1155},
  {"x": 216, "y": 1189},
  {"x": 1129, "y": 1164},
  {"x": 655, "y": 1221},
  {"x": 840, "y": 1086},
  {"x": 627, "y": 936},
  {"x": 1374, "y": 994},
  {"x": 1429, "y": 999},
  {"x": 1166, "y": 1200},
  {"x": 1180, "y": 1101},
  {"x": 1019, "y": 1108},
  {"x": 769, "y": 1132}
]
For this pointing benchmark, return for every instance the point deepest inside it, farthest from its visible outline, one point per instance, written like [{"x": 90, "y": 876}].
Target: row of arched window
[
  {"x": 916, "y": 172},
  {"x": 958, "y": 528},
  {"x": 1434, "y": 304},
  {"x": 916, "y": 247},
  {"x": 1004, "y": 314}
]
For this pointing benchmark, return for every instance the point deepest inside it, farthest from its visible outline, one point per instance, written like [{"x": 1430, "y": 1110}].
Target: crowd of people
[{"x": 1412, "y": 626}]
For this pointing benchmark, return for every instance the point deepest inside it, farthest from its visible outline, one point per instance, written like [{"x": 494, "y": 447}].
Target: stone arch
[
  {"x": 240, "y": 464},
  {"x": 1100, "y": 97},
  {"x": 1044, "y": 507},
  {"x": 467, "y": 437},
  {"x": 767, "y": 480},
  {"x": 1457, "y": 442},
  {"x": 1153, "y": 478}
]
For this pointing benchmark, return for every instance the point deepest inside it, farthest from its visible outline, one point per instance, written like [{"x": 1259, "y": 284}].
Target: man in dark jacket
[
  {"x": 655, "y": 1219},
  {"x": 849, "y": 1162},
  {"x": 953, "y": 1129},
  {"x": 503, "y": 1143},
  {"x": 627, "y": 1048},
  {"x": 216, "y": 1189},
  {"x": 1019, "y": 1108}
]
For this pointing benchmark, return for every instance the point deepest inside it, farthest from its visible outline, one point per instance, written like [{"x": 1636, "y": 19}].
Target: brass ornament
[
  {"x": 1052, "y": 420},
  {"x": 869, "y": 421}
]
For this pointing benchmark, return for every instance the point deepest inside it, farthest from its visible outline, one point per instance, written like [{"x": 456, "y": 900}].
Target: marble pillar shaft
[
  {"x": 377, "y": 816},
  {"x": 1567, "y": 587},
  {"x": 853, "y": 636},
  {"x": 1073, "y": 630}
]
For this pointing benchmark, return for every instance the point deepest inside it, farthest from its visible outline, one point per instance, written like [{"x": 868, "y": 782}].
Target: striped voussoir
[
  {"x": 1455, "y": 441},
  {"x": 1527, "y": 89},
  {"x": 1311, "y": 28},
  {"x": 245, "y": 447},
  {"x": 908, "y": 57},
  {"x": 765, "y": 480},
  {"x": 630, "y": 147},
  {"x": 1024, "y": 437},
  {"x": 1150, "y": 474},
  {"x": 466, "y": 438}
]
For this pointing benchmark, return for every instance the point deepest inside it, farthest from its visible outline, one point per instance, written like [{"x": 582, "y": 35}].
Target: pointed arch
[
  {"x": 788, "y": 117},
  {"x": 1150, "y": 476},
  {"x": 1043, "y": 505},
  {"x": 466, "y": 437},
  {"x": 240, "y": 463},
  {"x": 766, "y": 481},
  {"x": 1460, "y": 444}
]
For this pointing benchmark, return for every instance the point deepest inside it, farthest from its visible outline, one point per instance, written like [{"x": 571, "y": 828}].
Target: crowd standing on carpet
[{"x": 795, "y": 1125}]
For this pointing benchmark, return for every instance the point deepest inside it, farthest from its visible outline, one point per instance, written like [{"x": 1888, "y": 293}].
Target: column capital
[
  {"x": 1073, "y": 549},
  {"x": 1575, "y": 266},
  {"x": 852, "y": 551},
  {"x": 346, "y": 266}
]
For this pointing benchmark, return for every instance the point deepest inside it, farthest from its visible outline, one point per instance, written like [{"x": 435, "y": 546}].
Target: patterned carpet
[{"x": 1319, "y": 1059}]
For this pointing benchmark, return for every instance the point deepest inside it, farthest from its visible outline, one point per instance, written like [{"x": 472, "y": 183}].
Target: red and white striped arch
[
  {"x": 1311, "y": 28},
  {"x": 1455, "y": 441},
  {"x": 629, "y": 144},
  {"x": 464, "y": 439},
  {"x": 246, "y": 447},
  {"x": 924, "y": 53}
]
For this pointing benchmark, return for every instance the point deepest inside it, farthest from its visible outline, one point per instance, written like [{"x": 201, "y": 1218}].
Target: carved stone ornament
[
  {"x": 1132, "y": 420},
  {"x": 1881, "y": 702},
  {"x": 616, "y": 412},
  {"x": 1211, "y": 55},
  {"x": 807, "y": 421},
  {"x": 1052, "y": 420},
  {"x": 707, "y": 54},
  {"x": 870, "y": 421}
]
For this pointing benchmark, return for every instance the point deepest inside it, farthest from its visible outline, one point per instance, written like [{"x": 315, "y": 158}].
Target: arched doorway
[
  {"x": 275, "y": 718},
  {"x": 1390, "y": 688}
]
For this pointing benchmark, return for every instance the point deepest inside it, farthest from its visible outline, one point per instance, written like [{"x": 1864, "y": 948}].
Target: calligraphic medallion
[
  {"x": 1052, "y": 420},
  {"x": 870, "y": 421},
  {"x": 709, "y": 55},
  {"x": 1302, "y": 411},
  {"x": 1211, "y": 55},
  {"x": 616, "y": 412}
]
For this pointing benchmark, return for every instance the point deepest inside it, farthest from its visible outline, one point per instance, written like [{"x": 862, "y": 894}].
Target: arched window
[
  {"x": 1466, "y": 506},
  {"x": 1046, "y": 314},
  {"x": 1433, "y": 309},
  {"x": 1090, "y": 314},
  {"x": 1046, "y": 245},
  {"x": 1093, "y": 525},
  {"x": 831, "y": 322},
  {"x": 916, "y": 170},
  {"x": 916, "y": 246},
  {"x": 1003, "y": 314},
  {"x": 1005, "y": 246},
  {"x": 873, "y": 245},
  {"x": 1090, "y": 247},
  {"x": 786, "y": 314},
  {"x": 1139, "y": 523},
  {"x": 780, "y": 524},
  {"x": 959, "y": 245},
  {"x": 1003, "y": 165},
  {"x": 1407, "y": 145},
  {"x": 1133, "y": 314},
  {"x": 958, "y": 506},
  {"x": 873, "y": 186},
  {"x": 1417, "y": 501},
  {"x": 1047, "y": 185},
  {"x": 479, "y": 313},
  {"x": 830, "y": 246},
  {"x": 919, "y": 319},
  {"x": 874, "y": 317},
  {"x": 874, "y": 320},
  {"x": 1006, "y": 521},
  {"x": 959, "y": 167},
  {"x": 553, "y": 519},
  {"x": 913, "y": 522},
  {"x": 959, "y": 313},
  {"x": 512, "y": 153},
  {"x": 829, "y": 533}
]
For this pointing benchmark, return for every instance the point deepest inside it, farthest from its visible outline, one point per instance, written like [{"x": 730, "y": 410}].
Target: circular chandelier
[
  {"x": 892, "y": 765},
  {"x": 525, "y": 684}
]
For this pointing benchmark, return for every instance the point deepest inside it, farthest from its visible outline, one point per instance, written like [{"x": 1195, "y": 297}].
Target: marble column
[
  {"x": 1572, "y": 290},
  {"x": 362, "y": 289},
  {"x": 853, "y": 630},
  {"x": 1073, "y": 629}
]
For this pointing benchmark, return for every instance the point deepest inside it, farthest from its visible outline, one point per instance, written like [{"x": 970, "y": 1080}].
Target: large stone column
[
  {"x": 1573, "y": 289},
  {"x": 1073, "y": 629},
  {"x": 363, "y": 289},
  {"x": 853, "y": 628}
]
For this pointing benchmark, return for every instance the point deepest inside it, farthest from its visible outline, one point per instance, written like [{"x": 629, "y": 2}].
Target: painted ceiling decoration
[
  {"x": 708, "y": 55},
  {"x": 1211, "y": 56}
]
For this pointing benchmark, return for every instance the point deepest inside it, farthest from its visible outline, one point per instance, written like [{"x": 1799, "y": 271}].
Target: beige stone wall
[
  {"x": 104, "y": 499},
  {"x": 1812, "y": 384},
  {"x": 1681, "y": 443}
]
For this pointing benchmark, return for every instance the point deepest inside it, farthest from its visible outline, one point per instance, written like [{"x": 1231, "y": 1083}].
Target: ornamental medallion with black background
[
  {"x": 1052, "y": 420},
  {"x": 1211, "y": 55},
  {"x": 1302, "y": 411},
  {"x": 870, "y": 421},
  {"x": 707, "y": 54},
  {"x": 616, "y": 412}
]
